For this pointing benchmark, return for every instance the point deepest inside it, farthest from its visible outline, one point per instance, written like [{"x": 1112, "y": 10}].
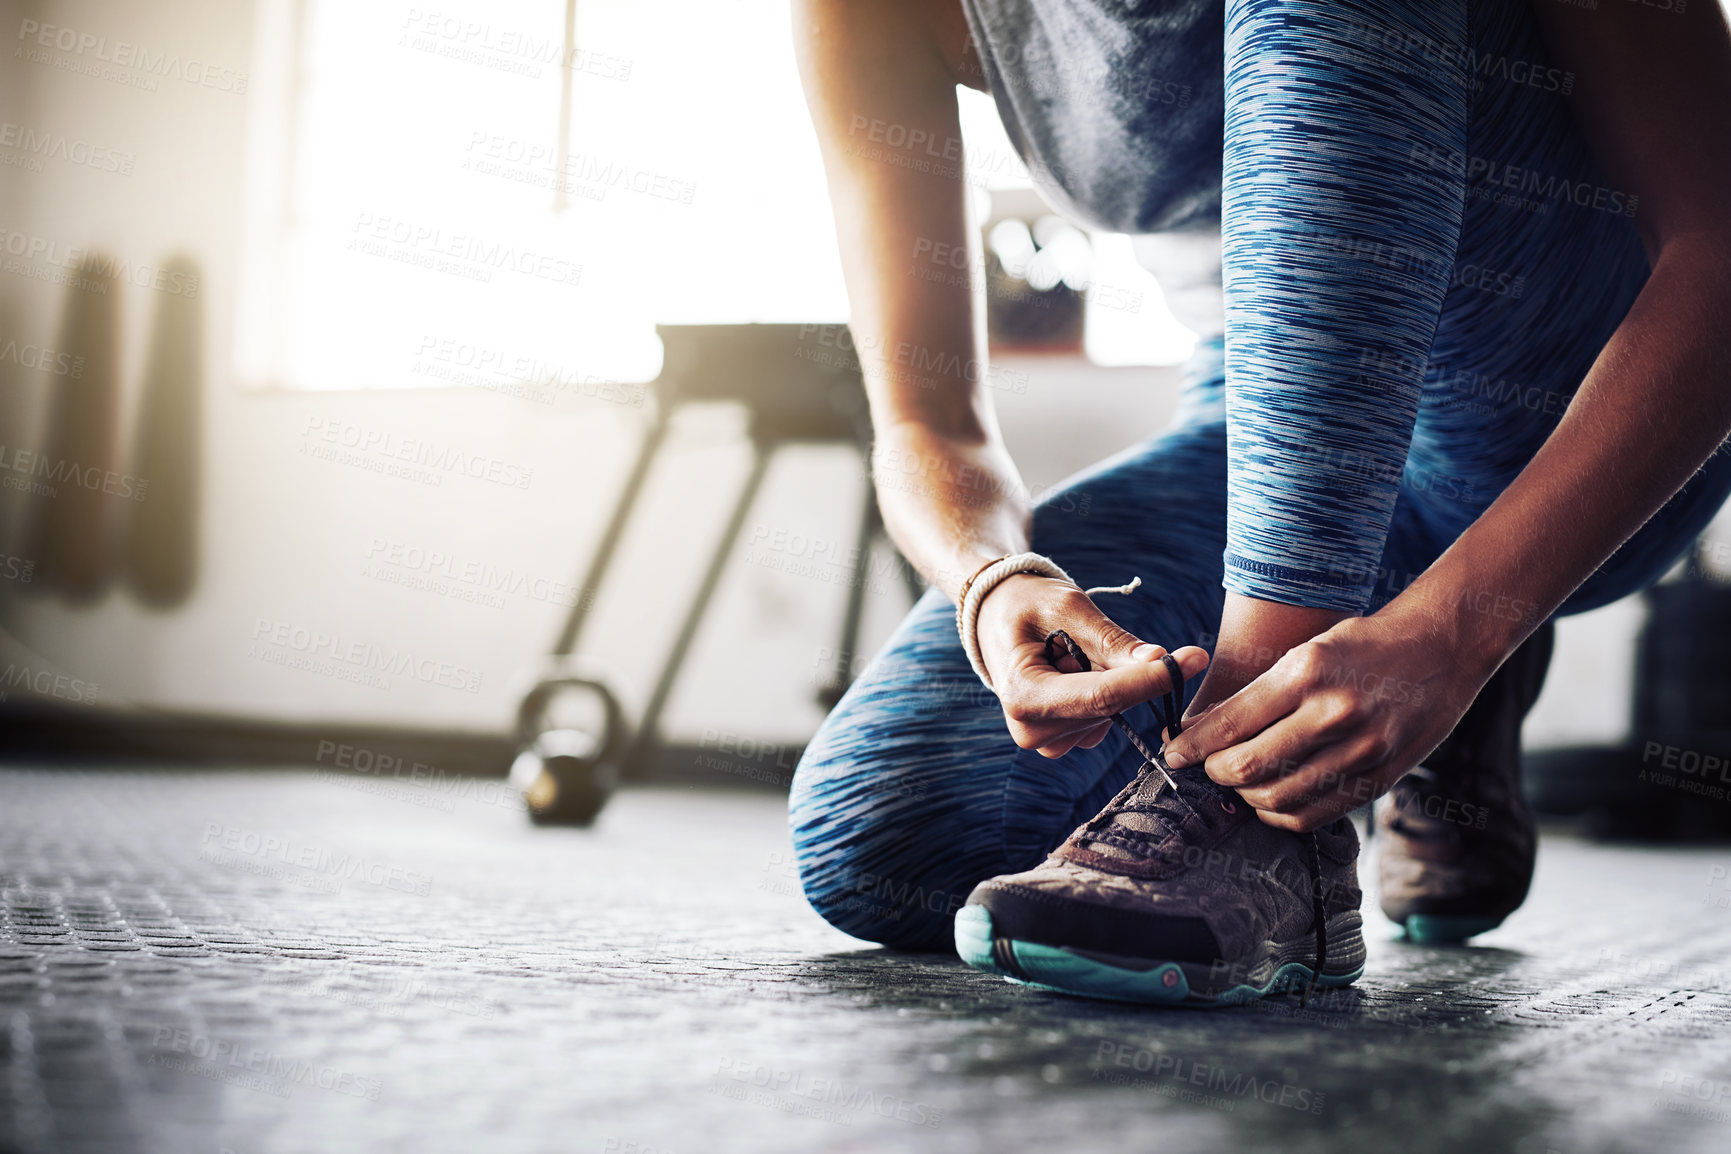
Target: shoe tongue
[{"x": 1155, "y": 793}]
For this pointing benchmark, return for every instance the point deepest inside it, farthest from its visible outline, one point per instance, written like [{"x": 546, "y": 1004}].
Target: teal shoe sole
[
  {"x": 1442, "y": 929},
  {"x": 1166, "y": 984}
]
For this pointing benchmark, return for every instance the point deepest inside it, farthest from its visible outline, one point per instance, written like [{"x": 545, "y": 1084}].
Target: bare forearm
[
  {"x": 878, "y": 77},
  {"x": 950, "y": 506},
  {"x": 1253, "y": 636}
]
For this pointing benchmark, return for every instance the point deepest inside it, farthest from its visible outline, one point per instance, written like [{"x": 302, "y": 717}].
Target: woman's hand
[
  {"x": 1337, "y": 721},
  {"x": 1055, "y": 709}
]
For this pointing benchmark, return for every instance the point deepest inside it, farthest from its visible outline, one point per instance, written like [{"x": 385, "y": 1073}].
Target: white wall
[{"x": 288, "y": 538}]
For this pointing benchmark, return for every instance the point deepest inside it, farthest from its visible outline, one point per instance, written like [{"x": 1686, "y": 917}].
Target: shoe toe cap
[{"x": 1025, "y": 911}]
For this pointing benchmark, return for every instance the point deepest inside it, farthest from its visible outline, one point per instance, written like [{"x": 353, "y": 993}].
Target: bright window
[
  {"x": 405, "y": 222},
  {"x": 402, "y": 188}
]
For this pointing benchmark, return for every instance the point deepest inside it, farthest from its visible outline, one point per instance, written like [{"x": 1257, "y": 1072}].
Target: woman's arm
[
  {"x": 1654, "y": 98},
  {"x": 876, "y": 74},
  {"x": 1314, "y": 148},
  {"x": 880, "y": 82}
]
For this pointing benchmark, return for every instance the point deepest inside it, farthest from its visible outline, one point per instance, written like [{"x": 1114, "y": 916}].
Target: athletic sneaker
[
  {"x": 1455, "y": 841},
  {"x": 1175, "y": 894}
]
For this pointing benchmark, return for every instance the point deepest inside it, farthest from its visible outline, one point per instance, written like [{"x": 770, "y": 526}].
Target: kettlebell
[{"x": 566, "y": 775}]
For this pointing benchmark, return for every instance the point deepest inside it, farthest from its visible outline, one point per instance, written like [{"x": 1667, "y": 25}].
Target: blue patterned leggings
[{"x": 1422, "y": 261}]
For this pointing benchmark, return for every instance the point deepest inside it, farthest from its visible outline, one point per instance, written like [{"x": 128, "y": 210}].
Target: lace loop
[{"x": 1170, "y": 717}]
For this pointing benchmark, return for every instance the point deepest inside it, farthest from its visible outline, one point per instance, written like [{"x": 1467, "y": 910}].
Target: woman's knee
[
  {"x": 891, "y": 808},
  {"x": 870, "y": 851},
  {"x": 906, "y": 913}
]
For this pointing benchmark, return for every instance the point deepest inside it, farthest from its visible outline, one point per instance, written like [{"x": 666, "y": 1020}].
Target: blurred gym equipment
[
  {"x": 1671, "y": 781},
  {"x": 161, "y": 553},
  {"x": 798, "y": 384},
  {"x": 69, "y": 533}
]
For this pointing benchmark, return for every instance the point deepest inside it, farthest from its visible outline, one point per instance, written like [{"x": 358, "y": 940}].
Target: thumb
[
  {"x": 1118, "y": 648},
  {"x": 1111, "y": 646}
]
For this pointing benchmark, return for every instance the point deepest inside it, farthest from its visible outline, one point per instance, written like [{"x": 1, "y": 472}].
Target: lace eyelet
[{"x": 1229, "y": 807}]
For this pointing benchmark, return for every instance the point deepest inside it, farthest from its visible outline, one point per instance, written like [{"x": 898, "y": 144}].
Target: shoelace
[{"x": 1170, "y": 719}]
